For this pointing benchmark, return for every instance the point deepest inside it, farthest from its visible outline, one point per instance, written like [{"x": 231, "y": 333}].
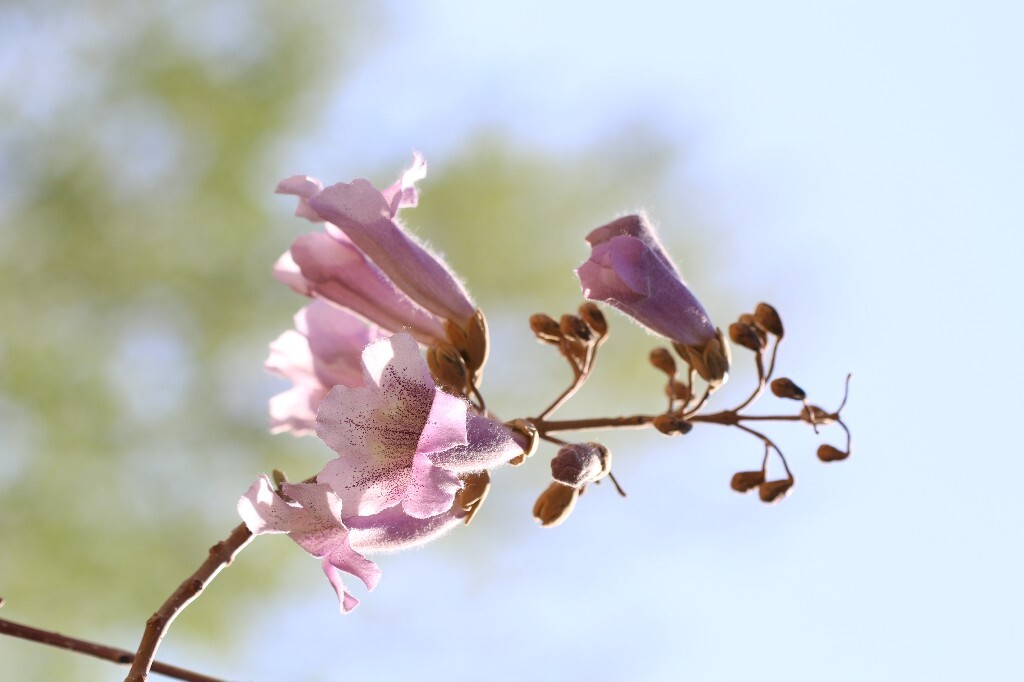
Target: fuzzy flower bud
[{"x": 578, "y": 464}]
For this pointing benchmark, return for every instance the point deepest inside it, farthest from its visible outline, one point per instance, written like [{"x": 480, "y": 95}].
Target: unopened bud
[
  {"x": 745, "y": 481},
  {"x": 827, "y": 453},
  {"x": 578, "y": 464},
  {"x": 545, "y": 328},
  {"x": 594, "y": 318},
  {"x": 773, "y": 491},
  {"x": 661, "y": 359},
  {"x": 575, "y": 328},
  {"x": 785, "y": 388},
  {"x": 555, "y": 504},
  {"x": 748, "y": 336},
  {"x": 768, "y": 319},
  {"x": 671, "y": 425}
]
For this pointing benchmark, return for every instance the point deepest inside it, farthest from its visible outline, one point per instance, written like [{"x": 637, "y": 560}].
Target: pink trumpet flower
[
  {"x": 313, "y": 516},
  {"x": 629, "y": 269},
  {"x": 365, "y": 261},
  {"x": 402, "y": 441}
]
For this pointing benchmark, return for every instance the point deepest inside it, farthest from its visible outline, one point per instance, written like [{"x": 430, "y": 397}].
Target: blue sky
[{"x": 866, "y": 160}]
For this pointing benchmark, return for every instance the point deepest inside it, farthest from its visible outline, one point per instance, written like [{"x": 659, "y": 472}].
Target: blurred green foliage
[{"x": 138, "y": 230}]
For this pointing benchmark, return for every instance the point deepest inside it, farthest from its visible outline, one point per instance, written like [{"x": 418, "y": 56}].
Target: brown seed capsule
[
  {"x": 447, "y": 367},
  {"x": 545, "y": 328},
  {"x": 575, "y": 328},
  {"x": 476, "y": 342},
  {"x": 717, "y": 359},
  {"x": 785, "y": 388},
  {"x": 473, "y": 493},
  {"x": 661, "y": 359},
  {"x": 677, "y": 390},
  {"x": 555, "y": 504},
  {"x": 747, "y": 335},
  {"x": 671, "y": 425},
  {"x": 827, "y": 453},
  {"x": 745, "y": 481},
  {"x": 594, "y": 318},
  {"x": 773, "y": 491},
  {"x": 768, "y": 319}
]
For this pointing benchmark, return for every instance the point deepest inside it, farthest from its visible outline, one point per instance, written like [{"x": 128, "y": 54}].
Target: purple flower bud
[
  {"x": 629, "y": 269},
  {"x": 578, "y": 464}
]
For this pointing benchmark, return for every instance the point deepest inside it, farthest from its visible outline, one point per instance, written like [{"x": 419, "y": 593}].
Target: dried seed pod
[
  {"x": 747, "y": 335},
  {"x": 594, "y": 318},
  {"x": 768, "y": 319},
  {"x": 545, "y": 328},
  {"x": 773, "y": 491},
  {"x": 745, "y": 481},
  {"x": 828, "y": 453},
  {"x": 575, "y": 328},
  {"x": 785, "y": 388},
  {"x": 671, "y": 425},
  {"x": 662, "y": 359},
  {"x": 555, "y": 504}
]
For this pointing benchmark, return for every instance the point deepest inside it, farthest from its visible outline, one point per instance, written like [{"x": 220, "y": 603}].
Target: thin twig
[
  {"x": 220, "y": 556},
  {"x": 107, "y": 653}
]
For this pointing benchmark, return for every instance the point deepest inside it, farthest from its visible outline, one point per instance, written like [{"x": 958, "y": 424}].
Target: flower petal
[
  {"x": 340, "y": 273},
  {"x": 393, "y": 529},
  {"x": 489, "y": 444},
  {"x": 431, "y": 490},
  {"x": 303, "y": 187},
  {"x": 403, "y": 194}
]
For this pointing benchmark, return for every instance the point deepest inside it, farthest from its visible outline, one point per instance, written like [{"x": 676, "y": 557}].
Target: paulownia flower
[
  {"x": 629, "y": 269},
  {"x": 321, "y": 352},
  {"x": 402, "y": 441},
  {"x": 313, "y": 516},
  {"x": 365, "y": 261}
]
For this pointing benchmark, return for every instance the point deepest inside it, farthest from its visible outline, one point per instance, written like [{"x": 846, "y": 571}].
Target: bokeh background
[{"x": 859, "y": 165}]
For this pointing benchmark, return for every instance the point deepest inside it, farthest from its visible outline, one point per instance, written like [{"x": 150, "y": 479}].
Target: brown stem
[
  {"x": 639, "y": 421},
  {"x": 220, "y": 556},
  {"x": 107, "y": 653},
  {"x": 636, "y": 422}
]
